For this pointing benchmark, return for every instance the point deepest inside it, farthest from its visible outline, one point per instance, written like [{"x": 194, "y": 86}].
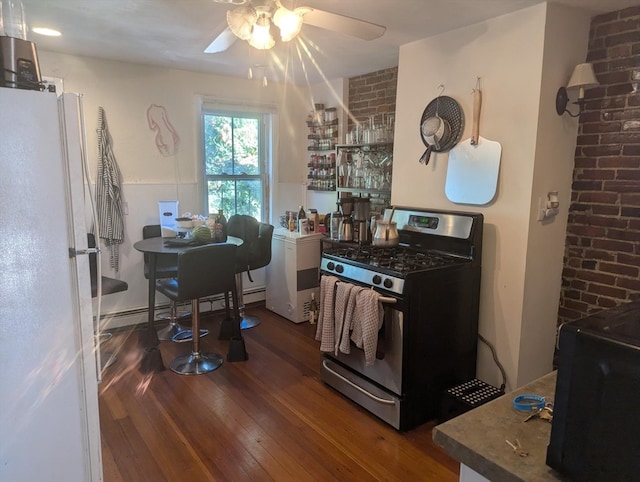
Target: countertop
[{"x": 477, "y": 438}]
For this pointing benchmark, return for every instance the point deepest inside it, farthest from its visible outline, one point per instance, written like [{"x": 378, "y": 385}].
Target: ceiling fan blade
[
  {"x": 343, "y": 24},
  {"x": 222, "y": 42}
]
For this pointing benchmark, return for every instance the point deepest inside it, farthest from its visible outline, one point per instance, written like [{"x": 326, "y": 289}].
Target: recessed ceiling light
[{"x": 49, "y": 32}]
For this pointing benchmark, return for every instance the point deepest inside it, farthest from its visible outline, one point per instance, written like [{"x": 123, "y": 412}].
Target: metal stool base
[
  {"x": 248, "y": 321},
  {"x": 187, "y": 335},
  {"x": 196, "y": 363},
  {"x": 168, "y": 332},
  {"x": 166, "y": 315}
]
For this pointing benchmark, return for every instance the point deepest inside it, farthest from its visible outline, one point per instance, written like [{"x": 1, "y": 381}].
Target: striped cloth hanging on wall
[{"x": 108, "y": 193}]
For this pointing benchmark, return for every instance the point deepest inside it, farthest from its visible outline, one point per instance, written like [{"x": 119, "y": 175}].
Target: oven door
[
  {"x": 350, "y": 376},
  {"x": 387, "y": 368}
]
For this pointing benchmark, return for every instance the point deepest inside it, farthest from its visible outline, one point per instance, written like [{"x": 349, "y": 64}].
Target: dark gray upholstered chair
[
  {"x": 204, "y": 271},
  {"x": 166, "y": 267},
  {"x": 107, "y": 286},
  {"x": 254, "y": 253}
]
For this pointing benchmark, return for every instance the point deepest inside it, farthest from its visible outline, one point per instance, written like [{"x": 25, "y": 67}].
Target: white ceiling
[{"x": 174, "y": 33}]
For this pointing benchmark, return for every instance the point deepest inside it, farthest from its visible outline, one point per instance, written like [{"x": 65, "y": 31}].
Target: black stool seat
[
  {"x": 109, "y": 285},
  {"x": 254, "y": 253},
  {"x": 166, "y": 267},
  {"x": 204, "y": 271}
]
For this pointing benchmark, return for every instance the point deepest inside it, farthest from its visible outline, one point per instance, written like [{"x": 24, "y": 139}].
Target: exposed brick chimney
[{"x": 602, "y": 251}]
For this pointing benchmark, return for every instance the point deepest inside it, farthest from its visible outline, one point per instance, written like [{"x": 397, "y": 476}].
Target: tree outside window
[{"x": 234, "y": 164}]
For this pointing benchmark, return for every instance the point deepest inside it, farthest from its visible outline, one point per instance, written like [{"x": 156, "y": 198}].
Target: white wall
[
  {"x": 126, "y": 91},
  {"x": 509, "y": 54},
  {"x": 565, "y": 45}
]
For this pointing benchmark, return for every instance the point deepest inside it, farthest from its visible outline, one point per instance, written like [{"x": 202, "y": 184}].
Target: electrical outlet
[{"x": 548, "y": 207}]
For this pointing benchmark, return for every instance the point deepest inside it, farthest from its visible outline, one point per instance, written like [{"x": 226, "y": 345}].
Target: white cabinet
[{"x": 293, "y": 274}]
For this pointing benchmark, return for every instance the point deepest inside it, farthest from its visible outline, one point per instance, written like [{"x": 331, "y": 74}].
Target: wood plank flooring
[{"x": 269, "y": 418}]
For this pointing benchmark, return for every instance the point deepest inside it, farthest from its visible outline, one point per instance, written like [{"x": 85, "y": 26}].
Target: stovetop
[
  {"x": 398, "y": 260},
  {"x": 430, "y": 242}
]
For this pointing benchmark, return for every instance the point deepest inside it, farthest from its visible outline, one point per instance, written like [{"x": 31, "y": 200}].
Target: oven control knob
[
  {"x": 339, "y": 268},
  {"x": 388, "y": 283},
  {"x": 330, "y": 266},
  {"x": 377, "y": 279}
]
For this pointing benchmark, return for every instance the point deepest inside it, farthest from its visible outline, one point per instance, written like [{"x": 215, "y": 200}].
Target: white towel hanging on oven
[{"x": 367, "y": 321}]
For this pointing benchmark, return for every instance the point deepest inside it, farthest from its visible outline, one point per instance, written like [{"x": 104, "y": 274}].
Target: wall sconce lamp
[{"x": 583, "y": 77}]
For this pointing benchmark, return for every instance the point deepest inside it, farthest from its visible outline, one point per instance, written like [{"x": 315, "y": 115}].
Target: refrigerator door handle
[{"x": 75, "y": 252}]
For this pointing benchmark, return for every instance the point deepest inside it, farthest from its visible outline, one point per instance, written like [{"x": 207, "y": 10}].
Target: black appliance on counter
[
  {"x": 595, "y": 433},
  {"x": 428, "y": 339}
]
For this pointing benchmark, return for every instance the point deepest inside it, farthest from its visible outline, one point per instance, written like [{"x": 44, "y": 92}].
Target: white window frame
[{"x": 267, "y": 120}]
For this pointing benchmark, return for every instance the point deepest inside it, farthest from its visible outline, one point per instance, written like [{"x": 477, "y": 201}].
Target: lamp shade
[
  {"x": 261, "y": 37},
  {"x": 583, "y": 76},
  {"x": 241, "y": 21},
  {"x": 288, "y": 22}
]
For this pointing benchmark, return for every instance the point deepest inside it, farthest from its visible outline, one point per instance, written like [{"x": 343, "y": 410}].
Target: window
[{"x": 236, "y": 152}]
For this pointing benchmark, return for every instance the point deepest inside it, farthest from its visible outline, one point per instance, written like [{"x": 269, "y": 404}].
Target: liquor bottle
[
  {"x": 211, "y": 224},
  {"x": 314, "y": 312},
  {"x": 221, "y": 222},
  {"x": 292, "y": 223},
  {"x": 303, "y": 222},
  {"x": 313, "y": 221}
]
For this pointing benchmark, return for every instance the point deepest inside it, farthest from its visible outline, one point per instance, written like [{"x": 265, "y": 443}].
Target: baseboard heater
[{"x": 131, "y": 318}]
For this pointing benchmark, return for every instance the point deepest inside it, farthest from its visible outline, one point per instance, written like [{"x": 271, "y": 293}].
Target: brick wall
[
  {"x": 372, "y": 94},
  {"x": 602, "y": 251}
]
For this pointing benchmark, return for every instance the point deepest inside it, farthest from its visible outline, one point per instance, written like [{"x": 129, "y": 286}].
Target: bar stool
[
  {"x": 166, "y": 267},
  {"x": 107, "y": 287},
  {"x": 204, "y": 271},
  {"x": 254, "y": 253}
]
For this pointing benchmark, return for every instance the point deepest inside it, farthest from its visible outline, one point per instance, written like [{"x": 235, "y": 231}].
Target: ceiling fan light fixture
[
  {"x": 261, "y": 37},
  {"x": 241, "y": 21},
  {"x": 289, "y": 22}
]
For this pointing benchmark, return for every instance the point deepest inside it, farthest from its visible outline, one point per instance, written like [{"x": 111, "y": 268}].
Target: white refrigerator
[{"x": 49, "y": 423}]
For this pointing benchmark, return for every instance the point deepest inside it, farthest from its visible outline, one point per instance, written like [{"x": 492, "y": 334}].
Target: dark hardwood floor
[{"x": 269, "y": 418}]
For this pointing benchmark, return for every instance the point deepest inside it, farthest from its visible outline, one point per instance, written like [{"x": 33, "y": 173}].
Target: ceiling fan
[{"x": 251, "y": 20}]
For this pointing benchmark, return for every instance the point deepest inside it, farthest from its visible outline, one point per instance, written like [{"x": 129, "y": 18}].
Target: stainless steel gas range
[{"x": 428, "y": 338}]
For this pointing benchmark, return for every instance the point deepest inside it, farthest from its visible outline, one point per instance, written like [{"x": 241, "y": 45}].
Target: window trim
[{"x": 267, "y": 115}]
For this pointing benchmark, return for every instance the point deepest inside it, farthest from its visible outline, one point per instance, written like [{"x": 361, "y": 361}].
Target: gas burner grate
[{"x": 398, "y": 259}]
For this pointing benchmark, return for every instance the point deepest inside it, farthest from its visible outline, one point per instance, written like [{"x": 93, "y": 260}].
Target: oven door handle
[
  {"x": 360, "y": 389},
  {"x": 387, "y": 299}
]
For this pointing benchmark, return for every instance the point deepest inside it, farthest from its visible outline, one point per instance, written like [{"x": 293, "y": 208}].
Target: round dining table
[{"x": 155, "y": 247}]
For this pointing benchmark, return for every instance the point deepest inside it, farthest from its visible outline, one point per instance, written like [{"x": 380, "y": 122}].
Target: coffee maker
[
  {"x": 18, "y": 56},
  {"x": 361, "y": 215},
  {"x": 345, "y": 232}
]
